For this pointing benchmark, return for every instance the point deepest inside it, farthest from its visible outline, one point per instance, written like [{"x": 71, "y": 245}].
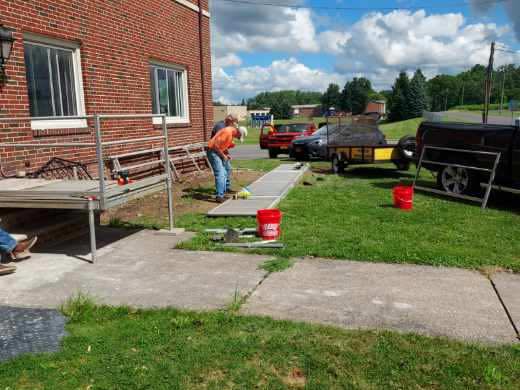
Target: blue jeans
[
  {"x": 222, "y": 172},
  {"x": 7, "y": 242}
]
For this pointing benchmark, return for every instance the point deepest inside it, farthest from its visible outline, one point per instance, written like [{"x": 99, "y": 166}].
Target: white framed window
[
  {"x": 54, "y": 82},
  {"x": 169, "y": 88}
]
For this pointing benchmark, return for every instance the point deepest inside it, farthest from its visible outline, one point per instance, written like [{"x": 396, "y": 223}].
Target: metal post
[
  {"x": 92, "y": 230},
  {"x": 99, "y": 157},
  {"x": 491, "y": 180},
  {"x": 167, "y": 170},
  {"x": 419, "y": 165}
]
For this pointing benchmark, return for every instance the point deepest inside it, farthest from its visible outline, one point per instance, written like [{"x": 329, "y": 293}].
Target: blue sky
[{"x": 263, "y": 48}]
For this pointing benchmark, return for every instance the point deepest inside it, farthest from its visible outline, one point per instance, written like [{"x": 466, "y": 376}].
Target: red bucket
[
  {"x": 403, "y": 197},
  {"x": 268, "y": 223}
]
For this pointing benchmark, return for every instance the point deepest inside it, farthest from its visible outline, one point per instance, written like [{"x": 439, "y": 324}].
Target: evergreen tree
[
  {"x": 331, "y": 98},
  {"x": 243, "y": 103},
  {"x": 361, "y": 87},
  {"x": 418, "y": 97},
  {"x": 281, "y": 110},
  {"x": 399, "y": 99}
]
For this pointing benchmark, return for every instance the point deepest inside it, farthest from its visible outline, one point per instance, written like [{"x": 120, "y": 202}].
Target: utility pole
[
  {"x": 462, "y": 95},
  {"x": 502, "y": 95},
  {"x": 488, "y": 84}
]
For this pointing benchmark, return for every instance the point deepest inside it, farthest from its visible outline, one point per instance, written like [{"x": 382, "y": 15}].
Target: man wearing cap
[
  {"x": 219, "y": 158},
  {"x": 229, "y": 120}
]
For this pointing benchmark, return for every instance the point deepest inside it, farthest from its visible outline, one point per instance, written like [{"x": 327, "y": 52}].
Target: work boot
[
  {"x": 22, "y": 251},
  {"x": 220, "y": 199},
  {"x": 7, "y": 269}
]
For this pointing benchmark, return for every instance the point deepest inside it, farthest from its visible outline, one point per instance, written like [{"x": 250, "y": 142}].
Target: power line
[
  {"x": 340, "y": 8},
  {"x": 507, "y": 51}
]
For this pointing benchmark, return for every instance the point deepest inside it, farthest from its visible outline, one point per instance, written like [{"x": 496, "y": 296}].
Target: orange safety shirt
[{"x": 223, "y": 140}]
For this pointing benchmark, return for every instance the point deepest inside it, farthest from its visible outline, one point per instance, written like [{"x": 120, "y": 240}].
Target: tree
[
  {"x": 418, "y": 96},
  {"x": 331, "y": 97},
  {"x": 268, "y": 99},
  {"x": 355, "y": 95},
  {"x": 399, "y": 99},
  {"x": 444, "y": 90},
  {"x": 243, "y": 103},
  {"x": 281, "y": 110}
]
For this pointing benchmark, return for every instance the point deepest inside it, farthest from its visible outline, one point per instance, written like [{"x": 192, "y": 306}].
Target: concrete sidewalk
[
  {"x": 142, "y": 269},
  {"x": 134, "y": 268}
]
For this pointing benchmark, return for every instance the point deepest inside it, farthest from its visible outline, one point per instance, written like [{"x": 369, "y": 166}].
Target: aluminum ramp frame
[
  {"x": 491, "y": 171},
  {"x": 266, "y": 192},
  {"x": 91, "y": 195}
]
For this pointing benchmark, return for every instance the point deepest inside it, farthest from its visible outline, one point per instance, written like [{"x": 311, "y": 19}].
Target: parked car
[
  {"x": 277, "y": 138},
  {"x": 315, "y": 145},
  {"x": 456, "y": 177},
  {"x": 311, "y": 146}
]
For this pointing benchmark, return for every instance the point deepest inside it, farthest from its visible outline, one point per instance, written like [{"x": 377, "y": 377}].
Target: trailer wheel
[
  {"x": 338, "y": 166},
  {"x": 455, "y": 180}
]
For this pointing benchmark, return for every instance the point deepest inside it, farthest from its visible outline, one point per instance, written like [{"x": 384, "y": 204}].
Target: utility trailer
[{"x": 399, "y": 152}]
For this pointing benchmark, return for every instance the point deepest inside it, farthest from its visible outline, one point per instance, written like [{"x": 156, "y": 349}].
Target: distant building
[
  {"x": 261, "y": 111},
  {"x": 378, "y": 106},
  {"x": 220, "y": 112},
  {"x": 307, "y": 110}
]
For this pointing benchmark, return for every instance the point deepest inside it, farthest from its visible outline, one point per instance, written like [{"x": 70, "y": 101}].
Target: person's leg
[
  {"x": 229, "y": 169},
  {"x": 7, "y": 242},
  {"x": 219, "y": 171}
]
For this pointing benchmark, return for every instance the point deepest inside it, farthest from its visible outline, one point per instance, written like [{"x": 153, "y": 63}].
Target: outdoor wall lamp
[{"x": 6, "y": 44}]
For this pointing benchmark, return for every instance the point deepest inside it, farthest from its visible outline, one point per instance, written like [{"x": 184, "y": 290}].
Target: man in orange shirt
[{"x": 220, "y": 160}]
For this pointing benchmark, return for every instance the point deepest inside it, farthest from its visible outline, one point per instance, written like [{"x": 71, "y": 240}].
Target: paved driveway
[
  {"x": 248, "y": 152},
  {"x": 476, "y": 117}
]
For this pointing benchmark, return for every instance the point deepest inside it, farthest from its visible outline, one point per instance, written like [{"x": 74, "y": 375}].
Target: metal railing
[
  {"x": 99, "y": 145},
  {"x": 491, "y": 171}
]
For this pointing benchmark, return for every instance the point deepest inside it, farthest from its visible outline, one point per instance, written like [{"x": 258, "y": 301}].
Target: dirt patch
[
  {"x": 195, "y": 194},
  {"x": 295, "y": 379}
]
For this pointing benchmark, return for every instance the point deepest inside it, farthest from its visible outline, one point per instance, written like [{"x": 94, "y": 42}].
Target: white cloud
[
  {"x": 383, "y": 44},
  {"x": 280, "y": 75},
  {"x": 227, "y": 60},
  {"x": 377, "y": 46},
  {"x": 512, "y": 10},
  {"x": 256, "y": 28}
]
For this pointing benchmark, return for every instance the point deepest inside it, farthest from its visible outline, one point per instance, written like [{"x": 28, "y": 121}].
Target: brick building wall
[{"x": 118, "y": 40}]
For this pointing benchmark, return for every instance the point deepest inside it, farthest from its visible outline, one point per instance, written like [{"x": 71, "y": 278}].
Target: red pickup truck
[{"x": 277, "y": 138}]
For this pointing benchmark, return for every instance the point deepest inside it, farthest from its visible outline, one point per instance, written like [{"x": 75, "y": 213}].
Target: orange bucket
[
  {"x": 403, "y": 197},
  {"x": 269, "y": 223}
]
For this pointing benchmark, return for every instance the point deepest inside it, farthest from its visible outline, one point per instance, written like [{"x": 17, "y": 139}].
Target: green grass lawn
[
  {"x": 120, "y": 348},
  {"x": 351, "y": 217},
  {"x": 397, "y": 130}
]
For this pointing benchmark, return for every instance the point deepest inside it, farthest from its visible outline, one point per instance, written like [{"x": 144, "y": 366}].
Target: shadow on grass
[{"x": 199, "y": 193}]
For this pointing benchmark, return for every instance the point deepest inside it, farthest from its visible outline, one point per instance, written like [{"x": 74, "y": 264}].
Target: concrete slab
[
  {"x": 138, "y": 269},
  {"x": 433, "y": 301},
  {"x": 508, "y": 286},
  {"x": 276, "y": 183},
  {"x": 243, "y": 207}
]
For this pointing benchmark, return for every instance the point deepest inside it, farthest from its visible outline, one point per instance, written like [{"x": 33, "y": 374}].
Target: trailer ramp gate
[{"x": 432, "y": 160}]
